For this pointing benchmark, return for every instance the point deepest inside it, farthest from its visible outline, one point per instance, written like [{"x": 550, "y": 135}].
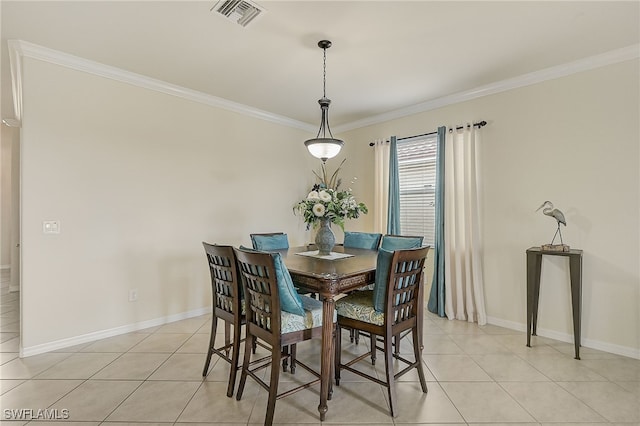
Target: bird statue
[{"x": 547, "y": 209}]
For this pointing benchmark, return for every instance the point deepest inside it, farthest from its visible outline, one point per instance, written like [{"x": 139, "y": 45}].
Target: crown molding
[
  {"x": 20, "y": 48},
  {"x": 15, "y": 64},
  {"x": 604, "y": 59}
]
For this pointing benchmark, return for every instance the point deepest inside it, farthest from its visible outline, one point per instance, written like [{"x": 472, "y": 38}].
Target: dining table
[{"x": 345, "y": 270}]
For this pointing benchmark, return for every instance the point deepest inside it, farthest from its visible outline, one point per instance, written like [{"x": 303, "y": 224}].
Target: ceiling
[{"x": 386, "y": 55}]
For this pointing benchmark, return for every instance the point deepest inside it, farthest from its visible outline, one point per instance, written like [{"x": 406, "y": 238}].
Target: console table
[{"x": 534, "y": 266}]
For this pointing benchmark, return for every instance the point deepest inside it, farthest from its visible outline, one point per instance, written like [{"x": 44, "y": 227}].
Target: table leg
[
  {"x": 536, "y": 293},
  {"x": 327, "y": 354},
  {"x": 575, "y": 274},
  {"x": 534, "y": 264}
]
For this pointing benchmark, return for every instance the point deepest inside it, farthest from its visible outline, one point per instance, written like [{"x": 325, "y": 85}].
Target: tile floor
[{"x": 476, "y": 376}]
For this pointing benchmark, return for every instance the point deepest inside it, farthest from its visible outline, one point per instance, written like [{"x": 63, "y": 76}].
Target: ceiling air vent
[{"x": 239, "y": 11}]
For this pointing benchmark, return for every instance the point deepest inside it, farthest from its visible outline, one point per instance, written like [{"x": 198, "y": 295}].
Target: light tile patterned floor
[{"x": 476, "y": 376}]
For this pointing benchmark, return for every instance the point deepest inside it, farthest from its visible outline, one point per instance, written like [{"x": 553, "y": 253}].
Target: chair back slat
[
  {"x": 225, "y": 281},
  {"x": 405, "y": 285}
]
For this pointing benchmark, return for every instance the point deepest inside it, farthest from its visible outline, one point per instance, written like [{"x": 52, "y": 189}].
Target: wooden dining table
[{"x": 330, "y": 278}]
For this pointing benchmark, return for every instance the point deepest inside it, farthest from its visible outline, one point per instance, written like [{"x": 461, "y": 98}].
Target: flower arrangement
[{"x": 327, "y": 202}]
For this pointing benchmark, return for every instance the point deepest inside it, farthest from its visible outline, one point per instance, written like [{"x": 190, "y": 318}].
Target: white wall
[
  {"x": 574, "y": 141},
  {"x": 138, "y": 179}
]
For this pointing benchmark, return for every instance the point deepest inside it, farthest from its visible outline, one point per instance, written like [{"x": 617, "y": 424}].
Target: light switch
[{"x": 51, "y": 227}]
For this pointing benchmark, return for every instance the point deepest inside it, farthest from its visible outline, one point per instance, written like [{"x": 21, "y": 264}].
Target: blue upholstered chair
[
  {"x": 278, "y": 317},
  {"x": 363, "y": 240},
  {"x": 400, "y": 242},
  {"x": 393, "y": 307},
  {"x": 275, "y": 241}
]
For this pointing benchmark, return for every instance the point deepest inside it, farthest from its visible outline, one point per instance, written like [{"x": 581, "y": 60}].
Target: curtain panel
[
  {"x": 464, "y": 287},
  {"x": 381, "y": 185},
  {"x": 393, "y": 216},
  {"x": 436, "y": 303}
]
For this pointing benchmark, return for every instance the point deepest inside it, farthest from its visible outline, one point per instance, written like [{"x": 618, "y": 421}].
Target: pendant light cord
[{"x": 324, "y": 74}]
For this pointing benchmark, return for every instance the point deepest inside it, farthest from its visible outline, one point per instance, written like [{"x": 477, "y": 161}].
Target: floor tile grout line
[{"x": 142, "y": 382}]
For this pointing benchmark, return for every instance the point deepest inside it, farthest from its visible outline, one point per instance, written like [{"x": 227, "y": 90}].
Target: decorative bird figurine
[{"x": 557, "y": 215}]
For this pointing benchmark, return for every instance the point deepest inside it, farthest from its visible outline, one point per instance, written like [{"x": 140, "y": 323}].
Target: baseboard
[
  {"x": 507, "y": 324},
  {"x": 92, "y": 337},
  {"x": 568, "y": 338}
]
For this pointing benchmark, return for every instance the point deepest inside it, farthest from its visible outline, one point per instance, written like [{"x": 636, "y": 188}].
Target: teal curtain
[
  {"x": 436, "y": 297},
  {"x": 393, "y": 212}
]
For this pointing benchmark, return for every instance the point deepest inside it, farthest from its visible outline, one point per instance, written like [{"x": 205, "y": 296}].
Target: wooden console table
[{"x": 534, "y": 266}]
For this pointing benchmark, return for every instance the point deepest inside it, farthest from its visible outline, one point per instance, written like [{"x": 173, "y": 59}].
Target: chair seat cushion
[
  {"x": 312, "y": 316},
  {"x": 359, "y": 306}
]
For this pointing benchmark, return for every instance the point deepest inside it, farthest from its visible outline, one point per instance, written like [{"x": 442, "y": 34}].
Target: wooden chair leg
[
  {"x": 212, "y": 342},
  {"x": 292, "y": 355},
  {"x": 331, "y": 373},
  {"x": 249, "y": 341},
  {"x": 337, "y": 358},
  {"x": 388, "y": 361},
  {"x": 372, "y": 341},
  {"x": 273, "y": 385},
  {"x": 227, "y": 337},
  {"x": 396, "y": 343},
  {"x": 417, "y": 352},
  {"x": 285, "y": 359},
  {"x": 234, "y": 361}
]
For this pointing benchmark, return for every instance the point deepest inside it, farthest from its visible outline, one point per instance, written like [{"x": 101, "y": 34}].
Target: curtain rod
[{"x": 478, "y": 125}]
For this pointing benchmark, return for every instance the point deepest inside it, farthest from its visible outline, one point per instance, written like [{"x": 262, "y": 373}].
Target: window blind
[{"x": 417, "y": 182}]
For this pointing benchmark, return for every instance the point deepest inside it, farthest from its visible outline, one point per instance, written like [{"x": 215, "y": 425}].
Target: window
[{"x": 417, "y": 179}]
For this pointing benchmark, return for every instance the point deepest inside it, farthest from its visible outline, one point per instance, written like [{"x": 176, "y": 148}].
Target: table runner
[{"x": 330, "y": 256}]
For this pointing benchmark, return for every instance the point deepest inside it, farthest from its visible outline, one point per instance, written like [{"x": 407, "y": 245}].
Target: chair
[
  {"x": 270, "y": 241},
  {"x": 362, "y": 240},
  {"x": 389, "y": 310},
  {"x": 400, "y": 242},
  {"x": 275, "y": 241},
  {"x": 276, "y": 315},
  {"x": 227, "y": 306}
]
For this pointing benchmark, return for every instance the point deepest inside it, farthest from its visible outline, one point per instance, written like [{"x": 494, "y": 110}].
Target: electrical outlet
[
  {"x": 133, "y": 295},
  {"x": 51, "y": 226}
]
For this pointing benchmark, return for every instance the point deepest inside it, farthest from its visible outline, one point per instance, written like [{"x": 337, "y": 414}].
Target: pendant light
[{"x": 321, "y": 146}]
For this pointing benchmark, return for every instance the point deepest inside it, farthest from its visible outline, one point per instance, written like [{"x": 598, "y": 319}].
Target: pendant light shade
[
  {"x": 321, "y": 146},
  {"x": 324, "y": 148}
]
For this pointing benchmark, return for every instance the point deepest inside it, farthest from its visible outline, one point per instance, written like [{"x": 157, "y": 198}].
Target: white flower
[
  {"x": 313, "y": 195},
  {"x": 318, "y": 209},
  {"x": 324, "y": 196}
]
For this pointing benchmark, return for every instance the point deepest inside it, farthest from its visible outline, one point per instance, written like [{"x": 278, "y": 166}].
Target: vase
[{"x": 325, "y": 239}]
